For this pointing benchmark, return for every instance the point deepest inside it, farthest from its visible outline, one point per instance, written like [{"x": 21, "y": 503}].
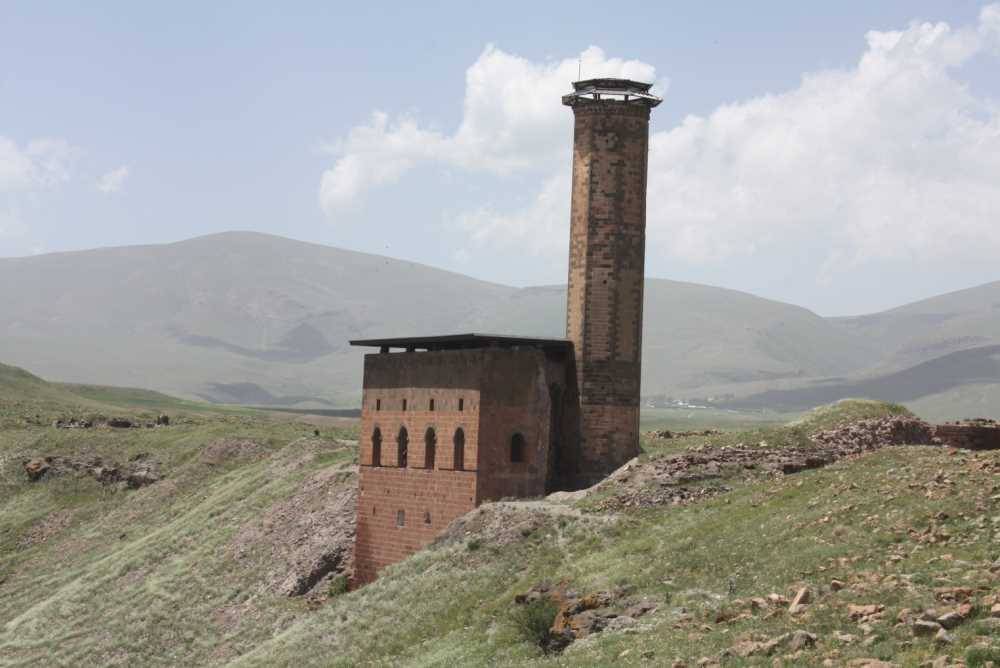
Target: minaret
[{"x": 606, "y": 257}]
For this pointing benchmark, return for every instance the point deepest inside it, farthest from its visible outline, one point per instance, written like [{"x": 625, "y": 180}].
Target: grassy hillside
[
  {"x": 191, "y": 569},
  {"x": 257, "y": 319},
  {"x": 702, "y": 563},
  {"x": 185, "y": 567}
]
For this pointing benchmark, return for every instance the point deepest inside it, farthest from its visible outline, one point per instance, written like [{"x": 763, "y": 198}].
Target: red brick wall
[
  {"x": 446, "y": 377},
  {"x": 383, "y": 491},
  {"x": 607, "y": 252},
  {"x": 502, "y": 392}
]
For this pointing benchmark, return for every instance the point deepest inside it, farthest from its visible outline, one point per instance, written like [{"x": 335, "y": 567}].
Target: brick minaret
[{"x": 607, "y": 251}]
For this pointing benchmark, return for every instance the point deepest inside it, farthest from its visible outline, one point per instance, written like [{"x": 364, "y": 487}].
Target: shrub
[
  {"x": 980, "y": 656},
  {"x": 533, "y": 621},
  {"x": 338, "y": 586}
]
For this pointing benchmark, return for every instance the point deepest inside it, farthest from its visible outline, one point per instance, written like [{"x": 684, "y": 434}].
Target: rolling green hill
[{"x": 254, "y": 319}]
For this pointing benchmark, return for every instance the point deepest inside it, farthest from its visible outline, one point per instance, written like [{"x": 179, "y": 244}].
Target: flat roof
[
  {"x": 624, "y": 91},
  {"x": 462, "y": 341}
]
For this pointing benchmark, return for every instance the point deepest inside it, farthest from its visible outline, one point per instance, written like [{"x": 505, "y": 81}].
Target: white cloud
[
  {"x": 26, "y": 171},
  {"x": 893, "y": 158},
  {"x": 540, "y": 228},
  {"x": 113, "y": 181},
  {"x": 40, "y": 164},
  {"x": 510, "y": 123}
]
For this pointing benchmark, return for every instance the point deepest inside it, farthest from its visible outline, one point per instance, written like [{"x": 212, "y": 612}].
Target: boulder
[
  {"x": 36, "y": 469},
  {"x": 802, "y": 598}
]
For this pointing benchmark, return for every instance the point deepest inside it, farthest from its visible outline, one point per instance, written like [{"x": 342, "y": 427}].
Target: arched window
[
  {"x": 517, "y": 448},
  {"x": 430, "y": 447},
  {"x": 377, "y": 447},
  {"x": 402, "y": 442},
  {"x": 459, "y": 457}
]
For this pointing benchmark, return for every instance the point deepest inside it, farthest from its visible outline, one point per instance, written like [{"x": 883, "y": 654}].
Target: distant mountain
[
  {"x": 938, "y": 376},
  {"x": 932, "y": 327},
  {"x": 244, "y": 317}
]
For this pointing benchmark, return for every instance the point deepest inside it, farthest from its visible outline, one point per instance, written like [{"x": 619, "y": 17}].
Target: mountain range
[{"x": 243, "y": 317}]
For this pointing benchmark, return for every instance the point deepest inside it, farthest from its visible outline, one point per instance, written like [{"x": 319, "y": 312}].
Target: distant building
[{"x": 450, "y": 422}]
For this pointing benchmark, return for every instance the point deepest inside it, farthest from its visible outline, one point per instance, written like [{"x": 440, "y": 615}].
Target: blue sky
[{"x": 792, "y": 157}]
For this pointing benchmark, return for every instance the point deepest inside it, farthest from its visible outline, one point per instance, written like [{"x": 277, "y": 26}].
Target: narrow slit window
[
  {"x": 402, "y": 445},
  {"x": 430, "y": 448},
  {"x": 459, "y": 454},
  {"x": 378, "y": 404},
  {"x": 461, "y": 404},
  {"x": 427, "y": 517},
  {"x": 377, "y": 447},
  {"x": 430, "y": 405},
  {"x": 401, "y": 518},
  {"x": 404, "y": 404}
]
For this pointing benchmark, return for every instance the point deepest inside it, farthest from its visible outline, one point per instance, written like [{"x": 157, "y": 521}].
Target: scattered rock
[
  {"x": 639, "y": 609},
  {"x": 666, "y": 434},
  {"x": 837, "y": 585},
  {"x": 36, "y": 469},
  {"x": 954, "y": 594},
  {"x": 950, "y": 620},
  {"x": 864, "y": 613},
  {"x": 307, "y": 540},
  {"x": 942, "y": 637},
  {"x": 802, "y": 598},
  {"x": 801, "y": 640},
  {"x": 225, "y": 450},
  {"x": 138, "y": 472},
  {"x": 671, "y": 480},
  {"x": 73, "y": 423},
  {"x": 581, "y": 616},
  {"x": 922, "y": 627},
  {"x": 845, "y": 638},
  {"x": 875, "y": 433}
]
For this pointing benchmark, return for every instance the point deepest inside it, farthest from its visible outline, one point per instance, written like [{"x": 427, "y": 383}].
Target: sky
[{"x": 844, "y": 157}]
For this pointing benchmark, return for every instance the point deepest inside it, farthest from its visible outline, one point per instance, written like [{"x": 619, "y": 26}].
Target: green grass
[
  {"x": 775, "y": 434},
  {"x": 92, "y": 576},
  {"x": 451, "y": 605},
  {"x": 691, "y": 419}
]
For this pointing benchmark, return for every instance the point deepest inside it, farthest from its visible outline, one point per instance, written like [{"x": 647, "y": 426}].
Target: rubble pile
[
  {"x": 138, "y": 472},
  {"x": 110, "y": 422},
  {"x": 666, "y": 434},
  {"x": 872, "y": 434},
  {"x": 697, "y": 474}
]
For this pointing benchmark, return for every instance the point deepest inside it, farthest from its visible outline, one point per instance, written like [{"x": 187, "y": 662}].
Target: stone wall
[{"x": 972, "y": 435}]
